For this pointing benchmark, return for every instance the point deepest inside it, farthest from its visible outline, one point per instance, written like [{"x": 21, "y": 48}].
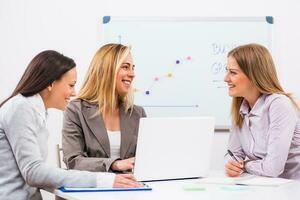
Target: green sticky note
[{"x": 194, "y": 188}]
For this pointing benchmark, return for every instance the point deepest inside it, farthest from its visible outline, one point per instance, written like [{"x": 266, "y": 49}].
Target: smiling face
[
  {"x": 239, "y": 85},
  {"x": 125, "y": 76},
  {"x": 62, "y": 90}
]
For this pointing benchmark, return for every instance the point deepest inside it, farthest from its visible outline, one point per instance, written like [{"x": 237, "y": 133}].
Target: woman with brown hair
[
  {"x": 48, "y": 82},
  {"x": 265, "y": 134}
]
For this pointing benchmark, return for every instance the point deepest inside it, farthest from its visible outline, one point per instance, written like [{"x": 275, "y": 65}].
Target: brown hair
[
  {"x": 44, "y": 69},
  {"x": 257, "y": 64}
]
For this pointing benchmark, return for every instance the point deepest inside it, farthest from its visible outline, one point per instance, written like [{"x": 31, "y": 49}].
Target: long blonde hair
[
  {"x": 99, "y": 85},
  {"x": 257, "y": 64}
]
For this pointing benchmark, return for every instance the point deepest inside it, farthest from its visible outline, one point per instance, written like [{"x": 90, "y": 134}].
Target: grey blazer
[{"x": 84, "y": 137}]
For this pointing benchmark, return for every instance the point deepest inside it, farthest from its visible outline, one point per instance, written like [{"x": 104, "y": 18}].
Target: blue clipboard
[{"x": 66, "y": 189}]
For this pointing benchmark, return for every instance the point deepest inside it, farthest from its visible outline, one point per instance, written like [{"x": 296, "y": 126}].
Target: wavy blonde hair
[
  {"x": 257, "y": 64},
  {"x": 99, "y": 86}
]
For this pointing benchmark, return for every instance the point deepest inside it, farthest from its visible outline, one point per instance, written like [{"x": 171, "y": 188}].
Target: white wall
[{"x": 73, "y": 27}]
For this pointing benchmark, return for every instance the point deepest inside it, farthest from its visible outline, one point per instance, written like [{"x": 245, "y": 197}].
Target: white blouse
[{"x": 114, "y": 138}]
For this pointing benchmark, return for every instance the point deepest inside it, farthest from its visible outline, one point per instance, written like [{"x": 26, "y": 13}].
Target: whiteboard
[{"x": 180, "y": 62}]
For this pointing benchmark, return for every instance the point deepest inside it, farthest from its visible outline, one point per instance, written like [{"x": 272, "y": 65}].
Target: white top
[
  {"x": 114, "y": 138},
  {"x": 23, "y": 151}
]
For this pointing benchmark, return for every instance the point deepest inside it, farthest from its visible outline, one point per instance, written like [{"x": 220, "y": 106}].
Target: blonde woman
[
  {"x": 101, "y": 125},
  {"x": 265, "y": 136}
]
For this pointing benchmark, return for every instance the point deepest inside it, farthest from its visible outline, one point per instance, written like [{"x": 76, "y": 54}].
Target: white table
[{"x": 174, "y": 190}]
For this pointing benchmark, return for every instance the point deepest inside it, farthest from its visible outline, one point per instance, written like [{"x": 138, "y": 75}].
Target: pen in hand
[
  {"x": 234, "y": 167},
  {"x": 232, "y": 156}
]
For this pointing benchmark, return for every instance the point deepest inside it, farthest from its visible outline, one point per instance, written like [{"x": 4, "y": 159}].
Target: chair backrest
[
  {"x": 60, "y": 164},
  {"x": 59, "y": 152}
]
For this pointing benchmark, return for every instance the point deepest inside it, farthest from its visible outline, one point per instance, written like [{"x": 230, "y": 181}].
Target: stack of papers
[{"x": 246, "y": 179}]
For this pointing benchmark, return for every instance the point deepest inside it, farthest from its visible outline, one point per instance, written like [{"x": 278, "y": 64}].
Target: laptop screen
[{"x": 173, "y": 148}]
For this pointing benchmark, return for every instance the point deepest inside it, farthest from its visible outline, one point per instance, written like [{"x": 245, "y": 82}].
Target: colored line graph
[{"x": 168, "y": 75}]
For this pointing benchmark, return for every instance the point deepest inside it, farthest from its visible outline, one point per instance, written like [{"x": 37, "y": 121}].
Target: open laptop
[{"x": 173, "y": 148}]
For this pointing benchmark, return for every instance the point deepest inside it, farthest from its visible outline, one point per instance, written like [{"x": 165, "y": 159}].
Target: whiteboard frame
[{"x": 267, "y": 19}]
